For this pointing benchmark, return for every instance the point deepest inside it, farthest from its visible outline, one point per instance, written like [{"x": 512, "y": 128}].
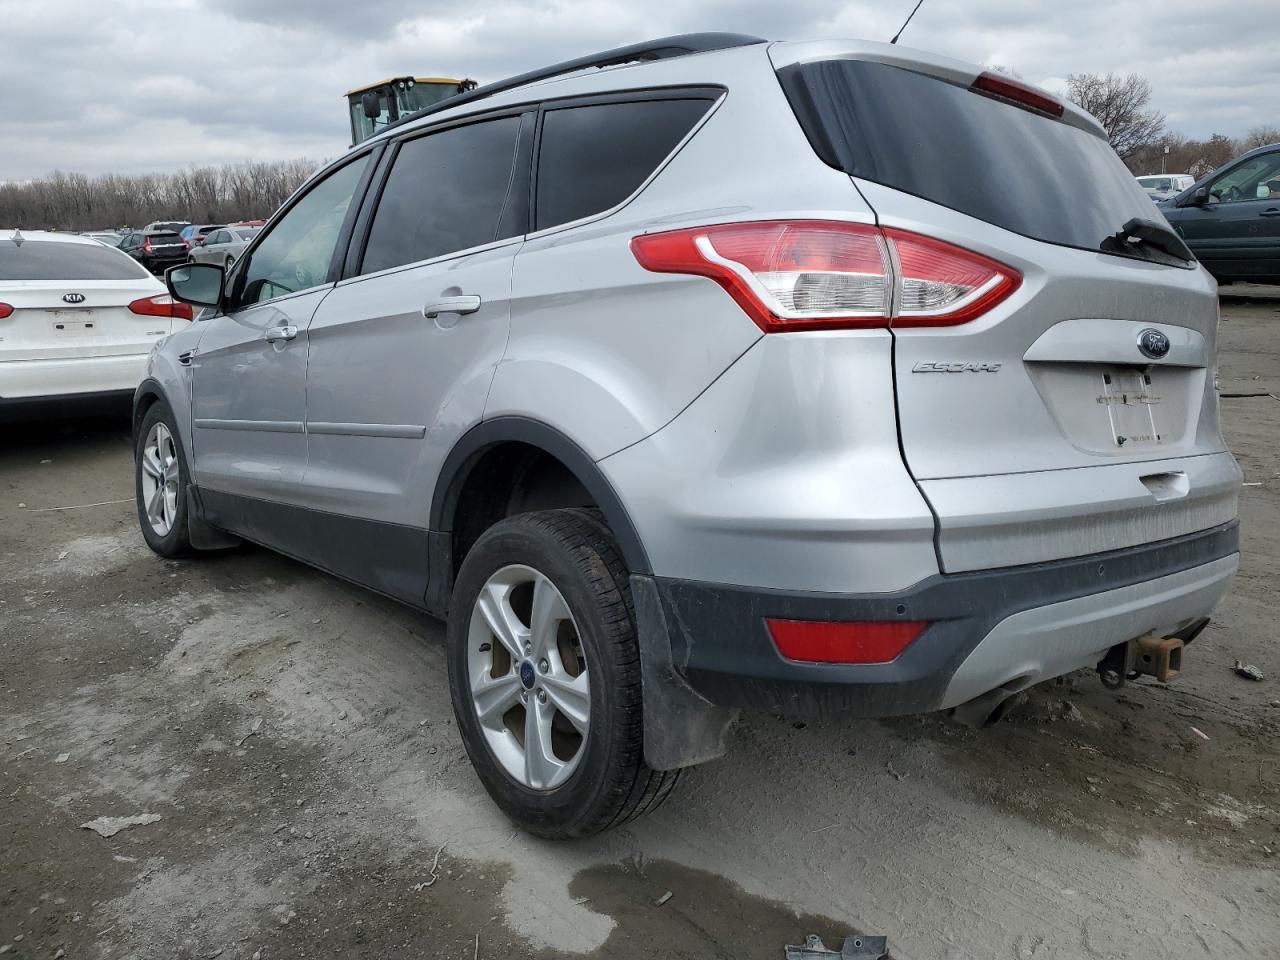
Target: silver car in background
[
  {"x": 812, "y": 378},
  {"x": 223, "y": 245},
  {"x": 1162, "y": 186}
]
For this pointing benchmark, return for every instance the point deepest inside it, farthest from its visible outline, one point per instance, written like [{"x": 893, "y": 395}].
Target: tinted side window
[
  {"x": 297, "y": 253},
  {"x": 448, "y": 191},
  {"x": 592, "y": 158}
]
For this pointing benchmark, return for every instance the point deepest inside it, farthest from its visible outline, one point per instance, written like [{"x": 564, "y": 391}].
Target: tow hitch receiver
[{"x": 1159, "y": 657}]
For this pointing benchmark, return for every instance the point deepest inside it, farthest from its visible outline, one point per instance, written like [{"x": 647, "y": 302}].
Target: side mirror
[
  {"x": 371, "y": 105},
  {"x": 199, "y": 284},
  {"x": 1199, "y": 198}
]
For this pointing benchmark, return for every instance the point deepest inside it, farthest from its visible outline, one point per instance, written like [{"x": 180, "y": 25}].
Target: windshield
[
  {"x": 1156, "y": 183},
  {"x": 1012, "y": 167},
  {"x": 409, "y": 100},
  {"x": 52, "y": 260}
]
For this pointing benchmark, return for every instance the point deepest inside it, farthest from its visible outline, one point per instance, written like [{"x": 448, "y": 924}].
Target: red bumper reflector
[{"x": 822, "y": 641}]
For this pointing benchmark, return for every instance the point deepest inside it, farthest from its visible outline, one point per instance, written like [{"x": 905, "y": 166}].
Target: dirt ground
[{"x": 294, "y": 736}]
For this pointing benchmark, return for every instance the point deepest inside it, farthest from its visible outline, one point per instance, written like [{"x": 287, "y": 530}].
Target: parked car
[
  {"x": 837, "y": 433},
  {"x": 250, "y": 223},
  {"x": 223, "y": 245},
  {"x": 1162, "y": 186},
  {"x": 1231, "y": 218},
  {"x": 76, "y": 318},
  {"x": 110, "y": 239},
  {"x": 166, "y": 226},
  {"x": 193, "y": 234},
  {"x": 155, "y": 249}
]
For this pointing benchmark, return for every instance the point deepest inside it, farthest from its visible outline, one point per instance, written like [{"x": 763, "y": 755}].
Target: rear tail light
[
  {"x": 146, "y": 246},
  {"x": 823, "y": 275},
  {"x": 1017, "y": 93},
  {"x": 5, "y": 310},
  {"x": 820, "y": 641},
  {"x": 162, "y": 305}
]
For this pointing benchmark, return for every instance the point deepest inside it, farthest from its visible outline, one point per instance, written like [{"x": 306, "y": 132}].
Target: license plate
[
  {"x": 79, "y": 323},
  {"x": 1131, "y": 403}
]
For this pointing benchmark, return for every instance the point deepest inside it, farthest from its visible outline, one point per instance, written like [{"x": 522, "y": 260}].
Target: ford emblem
[{"x": 1153, "y": 344}]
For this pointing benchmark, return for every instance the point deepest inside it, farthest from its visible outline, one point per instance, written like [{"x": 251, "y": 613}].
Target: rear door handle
[
  {"x": 286, "y": 332},
  {"x": 459, "y": 305},
  {"x": 1270, "y": 212}
]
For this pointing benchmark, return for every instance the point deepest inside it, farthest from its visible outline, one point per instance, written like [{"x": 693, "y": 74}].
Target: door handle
[
  {"x": 1270, "y": 212},
  {"x": 286, "y": 332},
  {"x": 459, "y": 305}
]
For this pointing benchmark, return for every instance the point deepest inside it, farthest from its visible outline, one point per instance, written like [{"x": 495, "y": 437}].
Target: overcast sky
[{"x": 135, "y": 85}]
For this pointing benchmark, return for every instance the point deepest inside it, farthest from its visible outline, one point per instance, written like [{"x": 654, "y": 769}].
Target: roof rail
[{"x": 664, "y": 49}]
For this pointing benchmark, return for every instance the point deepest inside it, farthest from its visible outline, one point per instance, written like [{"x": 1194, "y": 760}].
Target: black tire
[
  {"x": 176, "y": 542},
  {"x": 611, "y": 783}
]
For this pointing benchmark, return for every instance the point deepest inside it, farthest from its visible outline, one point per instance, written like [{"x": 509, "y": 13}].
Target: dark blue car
[{"x": 1231, "y": 218}]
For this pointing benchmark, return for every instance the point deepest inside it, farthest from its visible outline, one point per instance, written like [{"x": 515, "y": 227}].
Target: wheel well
[
  {"x": 140, "y": 407},
  {"x": 508, "y": 479}
]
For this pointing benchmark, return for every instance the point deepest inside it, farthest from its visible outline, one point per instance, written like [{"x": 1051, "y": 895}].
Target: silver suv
[{"x": 709, "y": 374}]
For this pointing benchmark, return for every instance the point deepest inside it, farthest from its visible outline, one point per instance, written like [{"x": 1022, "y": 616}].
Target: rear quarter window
[
  {"x": 1009, "y": 166},
  {"x": 51, "y": 260},
  {"x": 591, "y": 158}
]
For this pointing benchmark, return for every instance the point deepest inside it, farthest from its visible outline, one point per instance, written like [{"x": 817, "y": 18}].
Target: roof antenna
[{"x": 906, "y": 21}]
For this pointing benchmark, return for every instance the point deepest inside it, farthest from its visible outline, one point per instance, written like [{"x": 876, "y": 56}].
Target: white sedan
[{"x": 77, "y": 318}]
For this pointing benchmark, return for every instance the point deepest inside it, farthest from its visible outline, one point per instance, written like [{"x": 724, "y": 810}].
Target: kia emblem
[
  {"x": 73, "y": 297},
  {"x": 1153, "y": 344}
]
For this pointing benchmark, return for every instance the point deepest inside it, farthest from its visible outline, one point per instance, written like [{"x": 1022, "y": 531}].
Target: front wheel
[
  {"x": 544, "y": 673},
  {"x": 160, "y": 483}
]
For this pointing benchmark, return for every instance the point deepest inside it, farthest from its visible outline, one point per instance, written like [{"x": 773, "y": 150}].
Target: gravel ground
[{"x": 294, "y": 736}]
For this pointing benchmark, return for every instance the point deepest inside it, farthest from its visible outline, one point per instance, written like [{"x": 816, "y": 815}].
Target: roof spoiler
[{"x": 665, "y": 48}]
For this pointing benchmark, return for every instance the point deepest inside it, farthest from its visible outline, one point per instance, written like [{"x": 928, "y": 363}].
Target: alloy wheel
[
  {"x": 160, "y": 478},
  {"x": 528, "y": 677}
]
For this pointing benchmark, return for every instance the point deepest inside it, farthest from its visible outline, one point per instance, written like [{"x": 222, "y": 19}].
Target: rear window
[
  {"x": 1019, "y": 170},
  {"x": 246, "y": 234},
  {"x": 51, "y": 260},
  {"x": 159, "y": 239},
  {"x": 592, "y": 158}
]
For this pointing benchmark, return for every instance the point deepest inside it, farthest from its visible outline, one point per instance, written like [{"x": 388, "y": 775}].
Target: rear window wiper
[{"x": 1141, "y": 232}]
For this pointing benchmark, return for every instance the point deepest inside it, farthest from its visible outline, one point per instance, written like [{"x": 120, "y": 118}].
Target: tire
[
  {"x": 602, "y": 780},
  {"x": 164, "y": 527}
]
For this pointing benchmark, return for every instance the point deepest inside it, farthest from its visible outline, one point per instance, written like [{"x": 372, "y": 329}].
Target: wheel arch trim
[{"x": 488, "y": 434}]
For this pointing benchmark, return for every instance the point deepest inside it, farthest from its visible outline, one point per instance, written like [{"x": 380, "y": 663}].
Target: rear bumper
[
  {"x": 1007, "y": 627},
  {"x": 79, "y": 376}
]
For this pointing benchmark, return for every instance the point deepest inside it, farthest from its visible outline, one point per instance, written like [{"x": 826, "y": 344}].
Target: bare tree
[
  {"x": 73, "y": 201},
  {"x": 1262, "y": 136},
  {"x": 1120, "y": 105}
]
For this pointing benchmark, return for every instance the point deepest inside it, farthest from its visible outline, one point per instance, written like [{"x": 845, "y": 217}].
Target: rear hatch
[
  {"x": 1079, "y": 413},
  {"x": 64, "y": 300},
  {"x": 165, "y": 245}
]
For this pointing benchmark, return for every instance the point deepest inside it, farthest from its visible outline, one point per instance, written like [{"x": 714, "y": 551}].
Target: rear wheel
[
  {"x": 160, "y": 482},
  {"x": 545, "y": 675}
]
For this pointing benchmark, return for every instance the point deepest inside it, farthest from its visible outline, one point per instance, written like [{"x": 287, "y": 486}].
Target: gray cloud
[{"x": 134, "y": 85}]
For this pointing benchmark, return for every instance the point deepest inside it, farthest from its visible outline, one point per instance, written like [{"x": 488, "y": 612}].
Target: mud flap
[
  {"x": 202, "y": 535},
  {"x": 681, "y": 728}
]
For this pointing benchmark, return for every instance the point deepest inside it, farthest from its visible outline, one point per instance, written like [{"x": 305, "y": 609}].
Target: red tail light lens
[
  {"x": 1007, "y": 88},
  {"x": 162, "y": 305},
  {"x": 819, "y": 641},
  {"x": 787, "y": 275},
  {"x": 146, "y": 246},
  {"x": 5, "y": 310},
  {"x": 824, "y": 275},
  {"x": 943, "y": 285}
]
